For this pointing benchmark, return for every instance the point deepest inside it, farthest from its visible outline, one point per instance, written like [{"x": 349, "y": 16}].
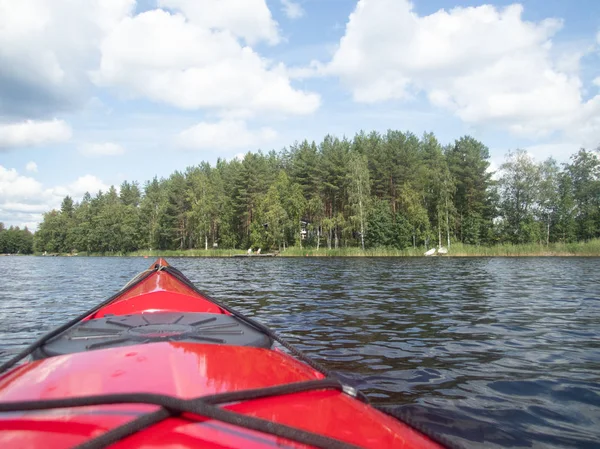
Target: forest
[
  {"x": 391, "y": 190},
  {"x": 14, "y": 240}
]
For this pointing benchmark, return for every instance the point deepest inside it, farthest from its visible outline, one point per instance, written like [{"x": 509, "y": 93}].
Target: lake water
[{"x": 504, "y": 351}]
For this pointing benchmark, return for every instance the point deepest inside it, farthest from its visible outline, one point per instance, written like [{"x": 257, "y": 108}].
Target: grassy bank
[
  {"x": 591, "y": 248},
  {"x": 186, "y": 253},
  {"x": 351, "y": 252}
]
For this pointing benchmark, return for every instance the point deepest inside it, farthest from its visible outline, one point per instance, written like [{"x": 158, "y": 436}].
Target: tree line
[
  {"x": 14, "y": 240},
  {"x": 374, "y": 190}
]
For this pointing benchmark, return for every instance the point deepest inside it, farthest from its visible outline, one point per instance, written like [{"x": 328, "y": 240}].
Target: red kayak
[{"x": 162, "y": 365}]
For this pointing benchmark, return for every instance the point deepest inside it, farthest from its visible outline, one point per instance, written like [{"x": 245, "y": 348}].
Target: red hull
[{"x": 184, "y": 370}]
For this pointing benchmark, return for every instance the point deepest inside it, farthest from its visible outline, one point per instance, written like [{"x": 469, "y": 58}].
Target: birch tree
[{"x": 360, "y": 194}]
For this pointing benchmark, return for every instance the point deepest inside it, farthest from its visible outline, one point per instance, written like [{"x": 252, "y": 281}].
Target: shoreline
[{"x": 589, "y": 249}]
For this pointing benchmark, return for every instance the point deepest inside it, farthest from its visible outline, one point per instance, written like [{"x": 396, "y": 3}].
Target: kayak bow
[{"x": 161, "y": 364}]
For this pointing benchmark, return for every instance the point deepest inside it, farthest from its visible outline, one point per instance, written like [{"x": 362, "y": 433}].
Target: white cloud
[
  {"x": 31, "y": 167},
  {"x": 16, "y": 187},
  {"x": 23, "y": 199},
  {"x": 248, "y": 19},
  {"x": 101, "y": 149},
  {"x": 226, "y": 134},
  {"x": 486, "y": 65},
  {"x": 292, "y": 9},
  {"x": 31, "y": 132},
  {"x": 86, "y": 183},
  {"x": 190, "y": 56},
  {"x": 559, "y": 151},
  {"x": 168, "y": 59},
  {"x": 46, "y": 48}
]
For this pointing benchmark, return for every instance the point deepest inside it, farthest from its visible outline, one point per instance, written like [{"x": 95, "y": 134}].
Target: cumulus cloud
[
  {"x": 31, "y": 167},
  {"x": 101, "y": 149},
  {"x": 83, "y": 184},
  {"x": 559, "y": 151},
  {"x": 484, "y": 64},
  {"x": 168, "y": 59},
  {"x": 192, "y": 54},
  {"x": 31, "y": 132},
  {"x": 292, "y": 9},
  {"x": 23, "y": 199},
  {"x": 42, "y": 66},
  {"x": 17, "y": 187},
  {"x": 226, "y": 134},
  {"x": 248, "y": 19}
]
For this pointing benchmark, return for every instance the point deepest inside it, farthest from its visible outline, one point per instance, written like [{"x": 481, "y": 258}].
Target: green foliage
[
  {"x": 565, "y": 226},
  {"x": 15, "y": 240},
  {"x": 548, "y": 195},
  {"x": 585, "y": 174},
  {"x": 202, "y": 213},
  {"x": 380, "y": 224},
  {"x": 393, "y": 193},
  {"x": 51, "y": 233},
  {"x": 271, "y": 231},
  {"x": 130, "y": 194},
  {"x": 520, "y": 187},
  {"x": 468, "y": 164},
  {"x": 152, "y": 208},
  {"x": 359, "y": 194},
  {"x": 414, "y": 212},
  {"x": 541, "y": 204}
]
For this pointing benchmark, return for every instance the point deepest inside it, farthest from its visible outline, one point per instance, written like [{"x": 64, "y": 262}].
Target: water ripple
[{"x": 501, "y": 351}]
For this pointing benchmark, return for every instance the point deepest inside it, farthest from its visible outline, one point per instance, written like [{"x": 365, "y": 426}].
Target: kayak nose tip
[{"x": 158, "y": 263}]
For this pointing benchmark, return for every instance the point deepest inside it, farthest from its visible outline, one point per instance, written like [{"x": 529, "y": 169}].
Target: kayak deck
[{"x": 163, "y": 348}]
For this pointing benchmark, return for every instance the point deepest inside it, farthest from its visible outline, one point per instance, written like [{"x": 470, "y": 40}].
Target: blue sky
[{"x": 94, "y": 93}]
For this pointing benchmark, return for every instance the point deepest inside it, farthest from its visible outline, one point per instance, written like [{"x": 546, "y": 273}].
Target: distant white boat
[
  {"x": 441, "y": 250},
  {"x": 431, "y": 252}
]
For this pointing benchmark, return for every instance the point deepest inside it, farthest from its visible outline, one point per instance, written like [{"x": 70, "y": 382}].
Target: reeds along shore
[{"x": 581, "y": 249}]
